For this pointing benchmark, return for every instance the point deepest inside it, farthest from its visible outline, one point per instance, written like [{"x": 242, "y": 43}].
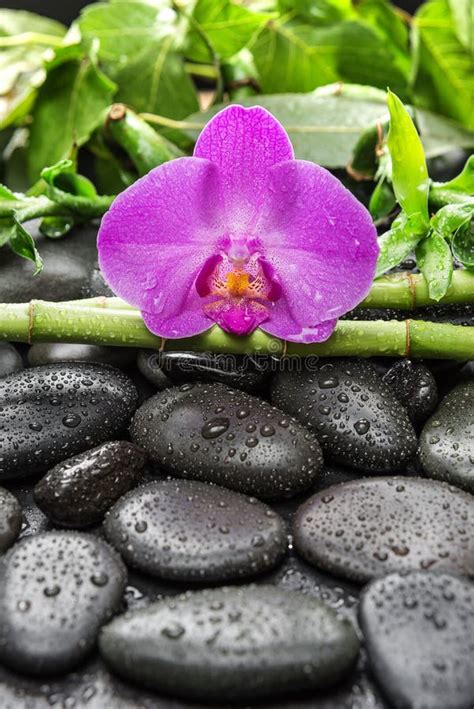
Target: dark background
[{"x": 68, "y": 10}]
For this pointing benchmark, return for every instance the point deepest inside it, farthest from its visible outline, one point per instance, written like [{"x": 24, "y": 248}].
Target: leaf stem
[
  {"x": 27, "y": 38},
  {"x": 41, "y": 321}
]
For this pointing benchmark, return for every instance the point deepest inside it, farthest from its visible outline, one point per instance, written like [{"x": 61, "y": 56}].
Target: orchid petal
[
  {"x": 320, "y": 241},
  {"x": 156, "y": 237},
  {"x": 245, "y": 143}
]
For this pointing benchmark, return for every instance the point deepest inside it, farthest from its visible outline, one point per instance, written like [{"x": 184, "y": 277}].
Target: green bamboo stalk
[
  {"x": 401, "y": 291},
  {"x": 41, "y": 321}
]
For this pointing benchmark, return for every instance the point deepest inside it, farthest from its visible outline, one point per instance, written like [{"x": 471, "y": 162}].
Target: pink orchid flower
[{"x": 242, "y": 235}]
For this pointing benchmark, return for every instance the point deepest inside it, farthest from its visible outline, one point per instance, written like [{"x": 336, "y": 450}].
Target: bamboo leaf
[
  {"x": 434, "y": 258},
  {"x": 399, "y": 242},
  {"x": 409, "y": 172}
]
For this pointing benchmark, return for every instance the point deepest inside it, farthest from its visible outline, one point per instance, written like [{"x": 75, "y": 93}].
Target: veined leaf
[
  {"x": 156, "y": 82},
  {"x": 445, "y": 76},
  {"x": 409, "y": 172},
  {"x": 434, "y": 258},
  {"x": 463, "y": 16},
  {"x": 20, "y": 241},
  {"x": 325, "y": 125},
  {"x": 69, "y": 107},
  {"x": 463, "y": 245},
  {"x": 294, "y": 55},
  {"x": 228, "y": 28},
  {"x": 123, "y": 30}
]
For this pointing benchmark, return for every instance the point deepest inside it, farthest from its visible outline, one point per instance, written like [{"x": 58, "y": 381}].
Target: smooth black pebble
[
  {"x": 447, "y": 439},
  {"x": 78, "y": 491},
  {"x": 355, "y": 416},
  {"x": 10, "y": 519},
  {"x": 231, "y": 644},
  {"x": 191, "y": 531},
  {"x": 238, "y": 371},
  {"x": 68, "y": 268},
  {"x": 371, "y": 527},
  {"x": 213, "y": 433},
  {"x": 55, "y": 352},
  {"x": 419, "y": 633},
  {"x": 50, "y": 413},
  {"x": 56, "y": 590},
  {"x": 10, "y": 359},
  {"x": 414, "y": 386}
]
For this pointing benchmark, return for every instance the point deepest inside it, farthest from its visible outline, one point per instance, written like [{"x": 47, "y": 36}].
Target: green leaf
[
  {"x": 458, "y": 190},
  {"x": 321, "y": 12},
  {"x": 399, "y": 242},
  {"x": 73, "y": 192},
  {"x": 463, "y": 16},
  {"x": 69, "y": 107},
  {"x": 228, "y": 28},
  {"x": 449, "y": 219},
  {"x": 409, "y": 172},
  {"x": 434, "y": 258},
  {"x": 382, "y": 201},
  {"x": 444, "y": 76},
  {"x": 156, "y": 82},
  {"x": 20, "y": 241},
  {"x": 463, "y": 244},
  {"x": 123, "y": 30},
  {"x": 22, "y": 65},
  {"x": 294, "y": 55},
  {"x": 325, "y": 125},
  {"x": 387, "y": 23}
]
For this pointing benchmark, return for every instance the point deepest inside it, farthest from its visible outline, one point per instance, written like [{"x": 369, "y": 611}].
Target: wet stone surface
[
  {"x": 368, "y": 528},
  {"x": 56, "y": 590},
  {"x": 213, "y": 433},
  {"x": 415, "y": 387},
  {"x": 231, "y": 644},
  {"x": 419, "y": 633},
  {"x": 447, "y": 440},
  {"x": 49, "y": 413},
  {"x": 191, "y": 531},
  {"x": 10, "y": 519},
  {"x": 10, "y": 359},
  {"x": 78, "y": 492},
  {"x": 353, "y": 413},
  {"x": 54, "y": 352},
  {"x": 212, "y": 543},
  {"x": 247, "y": 373},
  {"x": 68, "y": 272}
]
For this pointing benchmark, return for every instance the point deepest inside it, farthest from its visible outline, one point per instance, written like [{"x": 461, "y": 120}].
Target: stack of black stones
[{"x": 180, "y": 530}]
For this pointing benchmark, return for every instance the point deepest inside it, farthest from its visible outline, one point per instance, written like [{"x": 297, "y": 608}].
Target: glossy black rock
[
  {"x": 10, "y": 519},
  {"x": 415, "y": 387},
  {"x": 419, "y": 633},
  {"x": 231, "y": 644},
  {"x": 368, "y": 528},
  {"x": 56, "y": 590},
  {"x": 49, "y": 413},
  {"x": 192, "y": 531},
  {"x": 54, "y": 352},
  {"x": 242, "y": 372},
  {"x": 79, "y": 491},
  {"x": 447, "y": 439},
  {"x": 212, "y": 433},
  {"x": 353, "y": 413},
  {"x": 10, "y": 359},
  {"x": 67, "y": 273}
]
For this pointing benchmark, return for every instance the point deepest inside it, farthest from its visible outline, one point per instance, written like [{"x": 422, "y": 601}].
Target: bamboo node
[{"x": 412, "y": 288}]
